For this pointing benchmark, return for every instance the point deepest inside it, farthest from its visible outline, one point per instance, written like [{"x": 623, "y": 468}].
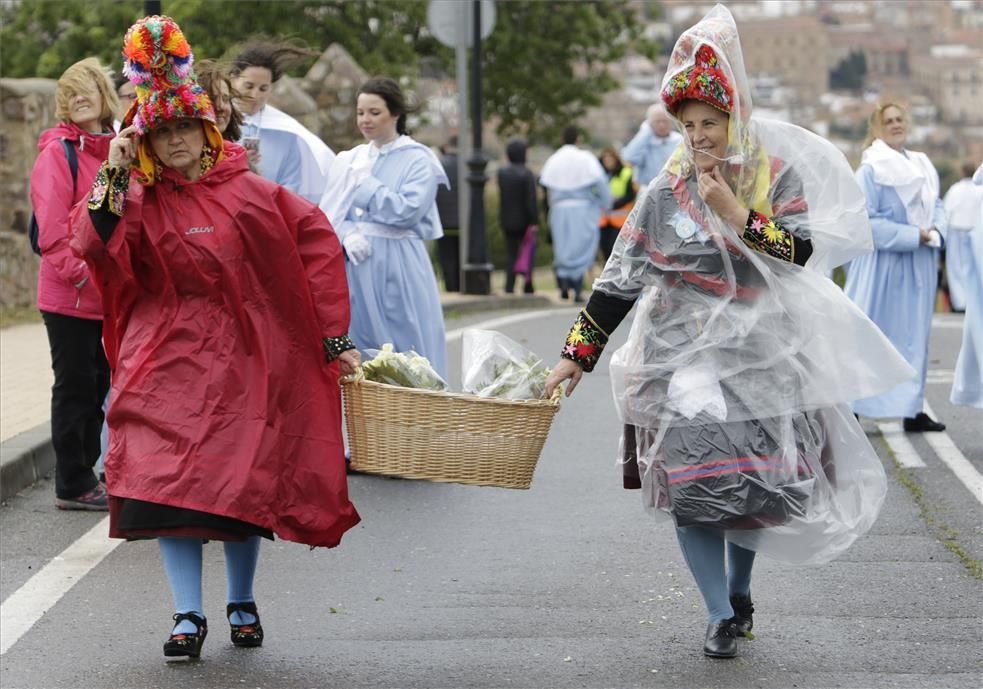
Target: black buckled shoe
[
  {"x": 721, "y": 641},
  {"x": 245, "y": 635},
  {"x": 743, "y": 610},
  {"x": 922, "y": 423},
  {"x": 189, "y": 645}
]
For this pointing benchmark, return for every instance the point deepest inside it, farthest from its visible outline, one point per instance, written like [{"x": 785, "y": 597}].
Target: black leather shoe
[
  {"x": 186, "y": 644},
  {"x": 743, "y": 610},
  {"x": 921, "y": 423},
  {"x": 245, "y": 635},
  {"x": 721, "y": 641}
]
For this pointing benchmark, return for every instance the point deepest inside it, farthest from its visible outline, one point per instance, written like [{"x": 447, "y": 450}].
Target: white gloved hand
[{"x": 357, "y": 247}]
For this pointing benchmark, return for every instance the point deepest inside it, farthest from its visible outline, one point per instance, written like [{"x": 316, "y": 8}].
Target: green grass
[{"x": 18, "y": 315}]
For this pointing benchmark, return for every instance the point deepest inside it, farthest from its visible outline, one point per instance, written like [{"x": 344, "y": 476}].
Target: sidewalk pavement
[{"x": 26, "y": 454}]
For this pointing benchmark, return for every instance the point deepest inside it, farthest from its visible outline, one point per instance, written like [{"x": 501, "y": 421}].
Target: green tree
[{"x": 544, "y": 64}]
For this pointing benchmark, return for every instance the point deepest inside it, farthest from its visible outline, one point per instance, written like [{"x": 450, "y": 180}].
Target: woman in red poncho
[{"x": 226, "y": 320}]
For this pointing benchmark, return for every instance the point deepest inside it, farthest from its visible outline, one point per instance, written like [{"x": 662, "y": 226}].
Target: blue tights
[
  {"x": 182, "y": 563},
  {"x": 703, "y": 549}
]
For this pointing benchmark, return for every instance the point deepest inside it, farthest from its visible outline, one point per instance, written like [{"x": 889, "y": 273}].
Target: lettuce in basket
[
  {"x": 406, "y": 369},
  {"x": 497, "y": 366}
]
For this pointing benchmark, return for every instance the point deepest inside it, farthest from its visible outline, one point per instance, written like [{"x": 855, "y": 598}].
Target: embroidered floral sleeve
[
  {"x": 585, "y": 342},
  {"x": 763, "y": 234},
  {"x": 109, "y": 189},
  {"x": 335, "y": 346}
]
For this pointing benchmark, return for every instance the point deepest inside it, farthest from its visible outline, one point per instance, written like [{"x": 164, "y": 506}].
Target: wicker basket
[{"x": 442, "y": 436}]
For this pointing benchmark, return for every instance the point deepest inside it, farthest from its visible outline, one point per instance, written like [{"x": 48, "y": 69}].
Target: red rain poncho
[{"x": 217, "y": 294}]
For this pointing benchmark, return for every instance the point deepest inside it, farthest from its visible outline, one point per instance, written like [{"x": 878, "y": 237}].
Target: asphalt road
[{"x": 568, "y": 584}]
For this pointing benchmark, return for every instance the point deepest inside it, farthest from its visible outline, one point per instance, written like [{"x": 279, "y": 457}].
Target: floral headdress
[
  {"x": 158, "y": 61},
  {"x": 704, "y": 81}
]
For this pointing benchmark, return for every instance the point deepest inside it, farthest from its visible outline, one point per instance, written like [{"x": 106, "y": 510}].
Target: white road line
[
  {"x": 25, "y": 606},
  {"x": 953, "y": 322},
  {"x": 508, "y": 320},
  {"x": 902, "y": 448},
  {"x": 955, "y": 459}
]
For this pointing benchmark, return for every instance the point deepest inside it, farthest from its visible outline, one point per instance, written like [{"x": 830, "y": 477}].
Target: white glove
[{"x": 357, "y": 247}]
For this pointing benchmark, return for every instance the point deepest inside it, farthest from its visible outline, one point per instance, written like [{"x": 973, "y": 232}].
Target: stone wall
[{"x": 28, "y": 108}]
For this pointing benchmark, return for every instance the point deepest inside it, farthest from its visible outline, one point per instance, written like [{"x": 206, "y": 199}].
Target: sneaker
[{"x": 94, "y": 500}]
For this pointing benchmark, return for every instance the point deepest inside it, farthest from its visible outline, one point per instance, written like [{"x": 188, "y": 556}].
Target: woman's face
[
  {"x": 178, "y": 144},
  {"x": 894, "y": 130},
  {"x": 222, "y": 101},
  {"x": 374, "y": 120},
  {"x": 85, "y": 107},
  {"x": 706, "y": 129},
  {"x": 127, "y": 95},
  {"x": 253, "y": 86},
  {"x": 609, "y": 162}
]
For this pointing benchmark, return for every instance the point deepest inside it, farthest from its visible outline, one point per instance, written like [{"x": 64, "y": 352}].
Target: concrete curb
[
  {"x": 28, "y": 456},
  {"x": 25, "y": 459}
]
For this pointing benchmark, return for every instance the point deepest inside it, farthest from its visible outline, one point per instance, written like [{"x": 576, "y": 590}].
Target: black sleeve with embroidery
[
  {"x": 107, "y": 200},
  {"x": 335, "y": 346},
  {"x": 594, "y": 325},
  {"x": 766, "y": 235}
]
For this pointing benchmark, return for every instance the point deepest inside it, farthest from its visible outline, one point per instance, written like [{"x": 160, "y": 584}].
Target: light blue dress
[
  {"x": 393, "y": 292},
  {"x": 280, "y": 158},
  {"x": 648, "y": 153},
  {"x": 895, "y": 286},
  {"x": 967, "y": 385},
  {"x": 575, "y": 215}
]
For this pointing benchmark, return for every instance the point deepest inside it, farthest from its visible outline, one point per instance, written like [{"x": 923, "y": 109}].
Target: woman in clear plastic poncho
[{"x": 742, "y": 357}]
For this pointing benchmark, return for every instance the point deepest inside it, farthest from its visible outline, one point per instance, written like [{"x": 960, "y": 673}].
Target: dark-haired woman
[
  {"x": 381, "y": 200},
  {"x": 290, "y": 154}
]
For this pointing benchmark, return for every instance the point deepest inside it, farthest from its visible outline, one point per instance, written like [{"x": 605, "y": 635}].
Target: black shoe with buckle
[
  {"x": 721, "y": 641},
  {"x": 189, "y": 645},
  {"x": 922, "y": 423},
  {"x": 245, "y": 635},
  {"x": 743, "y": 610}
]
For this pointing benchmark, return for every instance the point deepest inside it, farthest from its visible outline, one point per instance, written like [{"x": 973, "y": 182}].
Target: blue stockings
[
  {"x": 703, "y": 549},
  {"x": 182, "y": 564}
]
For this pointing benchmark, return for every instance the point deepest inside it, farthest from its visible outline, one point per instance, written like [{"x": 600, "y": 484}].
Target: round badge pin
[{"x": 685, "y": 227}]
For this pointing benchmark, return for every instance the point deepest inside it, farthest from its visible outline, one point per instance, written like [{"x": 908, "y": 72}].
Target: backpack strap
[{"x": 73, "y": 162}]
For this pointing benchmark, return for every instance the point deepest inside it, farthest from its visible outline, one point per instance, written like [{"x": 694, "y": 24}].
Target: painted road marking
[
  {"x": 25, "y": 606},
  {"x": 947, "y": 451},
  {"x": 897, "y": 440}
]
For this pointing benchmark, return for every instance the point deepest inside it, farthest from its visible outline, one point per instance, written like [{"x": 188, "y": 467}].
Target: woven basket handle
[{"x": 356, "y": 377}]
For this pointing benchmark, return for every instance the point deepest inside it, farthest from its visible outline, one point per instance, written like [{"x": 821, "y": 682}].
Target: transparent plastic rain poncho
[{"x": 739, "y": 367}]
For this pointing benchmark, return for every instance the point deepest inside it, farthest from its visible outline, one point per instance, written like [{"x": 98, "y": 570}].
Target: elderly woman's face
[
  {"x": 706, "y": 129},
  {"x": 178, "y": 144},
  {"x": 222, "y": 101},
  {"x": 894, "y": 129}
]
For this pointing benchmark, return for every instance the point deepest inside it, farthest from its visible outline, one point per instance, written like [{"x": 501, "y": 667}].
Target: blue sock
[
  {"x": 739, "y": 563},
  {"x": 703, "y": 550},
  {"x": 240, "y": 570},
  {"x": 182, "y": 564}
]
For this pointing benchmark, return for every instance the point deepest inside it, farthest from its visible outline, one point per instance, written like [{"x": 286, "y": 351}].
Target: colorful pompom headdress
[
  {"x": 703, "y": 81},
  {"x": 158, "y": 61}
]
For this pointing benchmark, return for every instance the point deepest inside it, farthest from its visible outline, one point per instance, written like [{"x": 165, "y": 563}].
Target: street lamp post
[{"x": 477, "y": 269}]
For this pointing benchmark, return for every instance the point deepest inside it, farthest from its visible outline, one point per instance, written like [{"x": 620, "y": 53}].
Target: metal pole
[
  {"x": 463, "y": 141},
  {"x": 152, "y": 7},
  {"x": 477, "y": 271}
]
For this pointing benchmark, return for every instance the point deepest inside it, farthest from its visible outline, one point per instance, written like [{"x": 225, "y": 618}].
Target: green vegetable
[{"x": 406, "y": 369}]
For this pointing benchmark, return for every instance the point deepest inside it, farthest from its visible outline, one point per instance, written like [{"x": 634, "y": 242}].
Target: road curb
[
  {"x": 25, "y": 459},
  {"x": 29, "y": 456}
]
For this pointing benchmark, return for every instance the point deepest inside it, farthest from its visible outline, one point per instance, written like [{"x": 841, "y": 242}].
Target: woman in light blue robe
[
  {"x": 578, "y": 195},
  {"x": 381, "y": 199},
  {"x": 967, "y": 385},
  {"x": 895, "y": 285}
]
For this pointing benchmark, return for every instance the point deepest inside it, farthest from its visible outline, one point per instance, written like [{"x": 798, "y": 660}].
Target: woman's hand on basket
[
  {"x": 565, "y": 369},
  {"x": 348, "y": 361}
]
